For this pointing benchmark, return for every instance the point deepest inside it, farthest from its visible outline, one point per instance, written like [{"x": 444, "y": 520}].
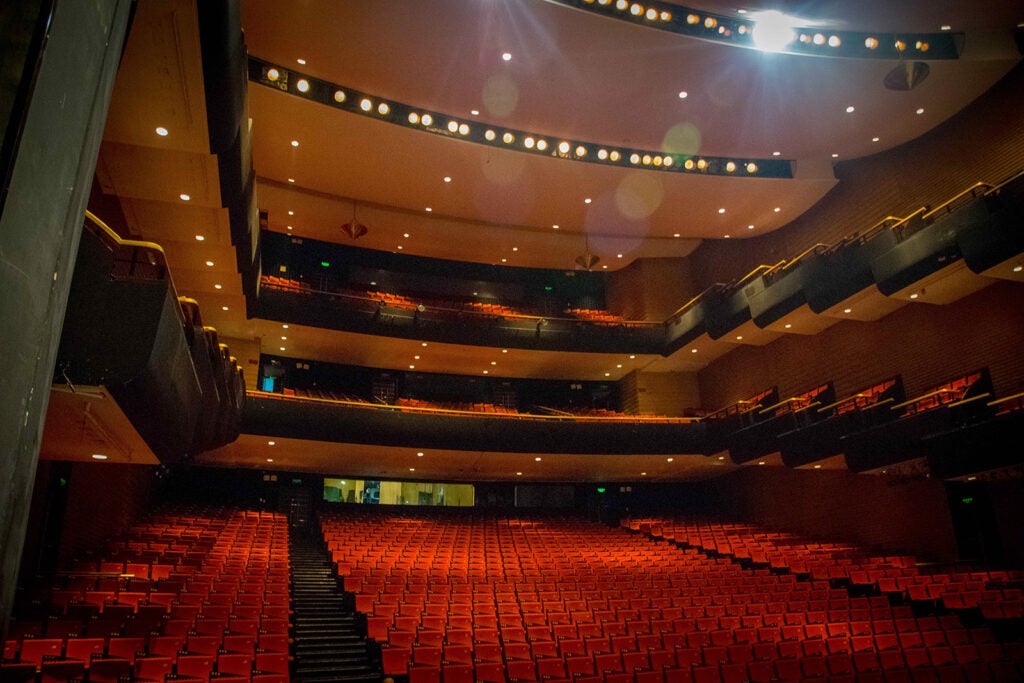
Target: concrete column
[{"x": 40, "y": 225}]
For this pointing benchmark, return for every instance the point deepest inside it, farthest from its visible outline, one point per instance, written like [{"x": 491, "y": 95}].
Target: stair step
[{"x": 326, "y": 645}]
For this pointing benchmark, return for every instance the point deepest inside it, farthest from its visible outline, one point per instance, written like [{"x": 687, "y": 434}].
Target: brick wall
[
  {"x": 925, "y": 344},
  {"x": 894, "y": 516}
]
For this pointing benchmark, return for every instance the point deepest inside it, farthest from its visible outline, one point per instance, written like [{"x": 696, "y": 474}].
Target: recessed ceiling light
[
  {"x": 209, "y": 263},
  {"x": 760, "y": 462},
  {"x": 218, "y": 286},
  {"x": 405, "y": 235},
  {"x": 416, "y": 357},
  {"x": 835, "y": 156},
  {"x": 914, "y": 295},
  {"x": 494, "y": 362},
  {"x": 607, "y": 374},
  {"x": 683, "y": 94},
  {"x": 419, "y": 454},
  {"x": 475, "y": 112},
  {"x": 283, "y": 348},
  {"x": 270, "y": 460},
  {"x": 295, "y": 143},
  {"x": 506, "y": 56},
  {"x": 722, "y": 210},
  {"x": 284, "y": 326},
  {"x": 643, "y": 474},
  {"x": 537, "y": 458},
  {"x": 739, "y": 337},
  {"x": 776, "y": 154},
  {"x": 554, "y": 227},
  {"x": 412, "y": 367},
  {"x": 920, "y": 110},
  {"x": 726, "y": 236},
  {"x": 300, "y": 60},
  {"x": 504, "y": 350},
  {"x": 817, "y": 467},
  {"x": 945, "y": 27},
  {"x": 750, "y": 227},
  {"x": 519, "y": 474},
  {"x": 675, "y": 234},
  {"x": 412, "y": 469},
  {"x": 291, "y": 180},
  {"x": 223, "y": 308},
  {"x": 669, "y": 459},
  {"x": 161, "y": 131},
  {"x": 423, "y": 343},
  {"x": 184, "y": 197},
  {"x": 487, "y": 372},
  {"x": 788, "y": 325},
  {"x": 587, "y": 200},
  {"x": 289, "y": 227},
  {"x": 875, "y": 139},
  {"x": 200, "y": 238},
  {"x": 284, "y": 338},
  {"x": 777, "y": 209},
  {"x": 850, "y": 109},
  {"x": 291, "y": 213},
  {"x": 618, "y": 256},
  {"x": 98, "y": 456},
  {"x": 693, "y": 350},
  {"x": 847, "y": 310},
  {"x": 271, "y": 443},
  {"x": 515, "y": 248},
  {"x": 400, "y": 247},
  {"x": 428, "y": 209},
  {"x": 618, "y": 365},
  {"x": 504, "y": 260},
  {"x": 447, "y": 179},
  {"x": 605, "y": 267},
  {"x": 721, "y": 457}
]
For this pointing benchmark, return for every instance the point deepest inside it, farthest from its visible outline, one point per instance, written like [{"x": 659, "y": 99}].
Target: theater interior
[{"x": 512, "y": 340}]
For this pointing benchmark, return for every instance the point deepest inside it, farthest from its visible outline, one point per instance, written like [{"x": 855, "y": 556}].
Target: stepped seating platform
[
  {"x": 193, "y": 593},
  {"x": 479, "y": 596}
]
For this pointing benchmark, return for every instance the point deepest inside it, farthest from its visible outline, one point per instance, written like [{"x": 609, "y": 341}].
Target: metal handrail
[
  {"x": 119, "y": 243},
  {"x": 946, "y": 204},
  {"x": 474, "y": 413}
]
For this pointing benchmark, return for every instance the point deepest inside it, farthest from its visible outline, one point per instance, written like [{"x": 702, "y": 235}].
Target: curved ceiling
[
  {"x": 571, "y": 74},
  {"x": 580, "y": 76}
]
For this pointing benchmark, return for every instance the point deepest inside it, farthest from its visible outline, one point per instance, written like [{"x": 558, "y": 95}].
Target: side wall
[
  {"x": 893, "y": 516},
  {"x": 924, "y": 343},
  {"x": 103, "y": 500}
]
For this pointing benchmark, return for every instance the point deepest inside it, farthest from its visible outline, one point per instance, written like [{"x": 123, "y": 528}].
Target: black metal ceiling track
[
  {"x": 371, "y": 106},
  {"x": 809, "y": 41},
  {"x": 226, "y": 88}
]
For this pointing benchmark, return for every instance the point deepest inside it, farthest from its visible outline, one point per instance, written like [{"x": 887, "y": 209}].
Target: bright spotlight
[{"x": 773, "y": 30}]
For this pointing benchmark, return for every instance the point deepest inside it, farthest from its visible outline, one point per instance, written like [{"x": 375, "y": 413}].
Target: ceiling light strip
[
  {"x": 437, "y": 123},
  {"x": 806, "y": 41}
]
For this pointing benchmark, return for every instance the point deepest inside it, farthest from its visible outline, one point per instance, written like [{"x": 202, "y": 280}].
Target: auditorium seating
[
  {"x": 548, "y": 597},
  {"x": 193, "y": 592}
]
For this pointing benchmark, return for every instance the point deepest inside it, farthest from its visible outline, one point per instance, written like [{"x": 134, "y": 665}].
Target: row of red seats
[
  {"x": 414, "y": 608},
  {"x": 895, "y": 575},
  {"x": 226, "y": 614}
]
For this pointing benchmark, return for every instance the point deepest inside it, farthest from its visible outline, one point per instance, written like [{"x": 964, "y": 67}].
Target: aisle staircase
[{"x": 327, "y": 645}]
